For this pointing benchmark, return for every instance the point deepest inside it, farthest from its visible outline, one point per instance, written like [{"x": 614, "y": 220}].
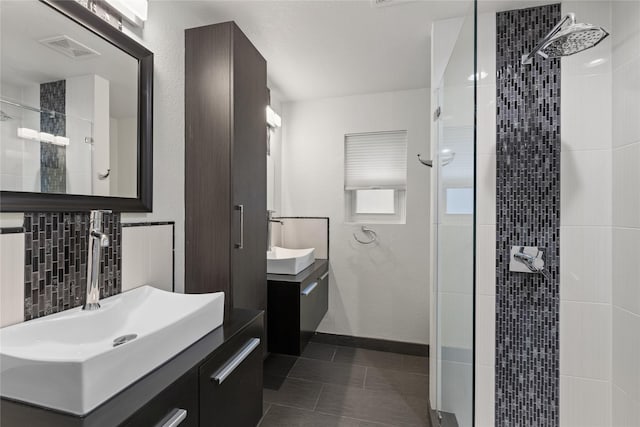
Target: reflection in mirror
[{"x": 68, "y": 107}]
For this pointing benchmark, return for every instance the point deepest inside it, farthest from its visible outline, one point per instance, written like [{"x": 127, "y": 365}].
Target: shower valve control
[{"x": 526, "y": 259}]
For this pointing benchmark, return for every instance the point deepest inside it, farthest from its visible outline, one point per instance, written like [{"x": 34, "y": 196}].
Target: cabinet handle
[
  {"x": 241, "y": 209},
  {"x": 324, "y": 276},
  {"x": 179, "y": 415},
  {"x": 309, "y": 289},
  {"x": 235, "y": 361}
]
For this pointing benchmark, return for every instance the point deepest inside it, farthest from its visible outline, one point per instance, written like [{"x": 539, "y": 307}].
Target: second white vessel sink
[
  {"x": 289, "y": 261},
  {"x": 75, "y": 360}
]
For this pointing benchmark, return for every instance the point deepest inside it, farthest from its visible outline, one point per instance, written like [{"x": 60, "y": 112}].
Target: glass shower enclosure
[{"x": 453, "y": 215}]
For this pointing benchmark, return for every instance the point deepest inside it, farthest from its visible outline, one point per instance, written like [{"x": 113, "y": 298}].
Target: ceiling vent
[{"x": 69, "y": 47}]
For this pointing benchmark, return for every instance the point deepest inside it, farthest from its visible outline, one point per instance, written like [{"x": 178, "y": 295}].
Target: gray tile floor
[{"x": 333, "y": 386}]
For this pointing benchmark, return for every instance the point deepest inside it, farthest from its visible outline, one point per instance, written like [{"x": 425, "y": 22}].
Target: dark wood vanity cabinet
[
  {"x": 224, "y": 390},
  {"x": 225, "y": 165},
  {"x": 232, "y": 397},
  {"x": 217, "y": 381},
  {"x": 297, "y": 304},
  {"x": 178, "y": 401}
]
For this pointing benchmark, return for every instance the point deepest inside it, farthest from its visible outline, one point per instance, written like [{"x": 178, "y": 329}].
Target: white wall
[
  {"x": 625, "y": 37},
  {"x": 127, "y": 158},
  {"x": 378, "y": 291},
  {"x": 147, "y": 257},
  {"x": 163, "y": 34},
  {"x": 11, "y": 279}
]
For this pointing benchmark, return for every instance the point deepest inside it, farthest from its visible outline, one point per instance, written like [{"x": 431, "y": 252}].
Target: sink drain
[{"x": 123, "y": 339}]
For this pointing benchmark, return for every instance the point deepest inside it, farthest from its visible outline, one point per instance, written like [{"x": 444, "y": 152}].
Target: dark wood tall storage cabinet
[{"x": 225, "y": 166}]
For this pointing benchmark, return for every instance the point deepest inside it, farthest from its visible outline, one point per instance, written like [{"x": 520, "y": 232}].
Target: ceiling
[
  {"x": 319, "y": 49},
  {"x": 330, "y": 48}
]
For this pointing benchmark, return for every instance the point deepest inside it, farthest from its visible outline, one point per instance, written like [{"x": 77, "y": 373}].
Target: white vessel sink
[
  {"x": 289, "y": 261},
  {"x": 68, "y": 361}
]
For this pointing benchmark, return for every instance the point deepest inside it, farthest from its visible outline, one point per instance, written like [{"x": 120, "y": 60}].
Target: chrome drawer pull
[
  {"x": 309, "y": 289},
  {"x": 324, "y": 276},
  {"x": 241, "y": 209},
  {"x": 176, "y": 419},
  {"x": 235, "y": 361}
]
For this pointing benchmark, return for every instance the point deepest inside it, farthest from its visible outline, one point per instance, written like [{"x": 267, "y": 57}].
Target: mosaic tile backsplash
[
  {"x": 53, "y": 170},
  {"x": 528, "y": 214},
  {"x": 56, "y": 246}
]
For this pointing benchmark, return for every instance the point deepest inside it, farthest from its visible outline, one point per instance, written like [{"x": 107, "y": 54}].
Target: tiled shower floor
[{"x": 334, "y": 386}]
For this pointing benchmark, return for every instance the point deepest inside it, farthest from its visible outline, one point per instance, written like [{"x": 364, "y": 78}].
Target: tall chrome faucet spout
[
  {"x": 270, "y": 220},
  {"x": 97, "y": 240}
]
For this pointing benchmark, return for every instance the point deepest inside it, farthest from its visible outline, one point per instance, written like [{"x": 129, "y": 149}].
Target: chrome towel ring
[{"x": 373, "y": 236}]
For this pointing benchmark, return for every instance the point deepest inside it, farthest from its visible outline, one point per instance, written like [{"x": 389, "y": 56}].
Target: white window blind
[{"x": 376, "y": 160}]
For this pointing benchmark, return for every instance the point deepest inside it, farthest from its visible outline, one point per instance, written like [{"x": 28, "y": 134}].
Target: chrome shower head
[{"x": 573, "y": 38}]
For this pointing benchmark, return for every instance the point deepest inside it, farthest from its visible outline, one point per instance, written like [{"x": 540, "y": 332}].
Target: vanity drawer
[
  {"x": 231, "y": 383},
  {"x": 176, "y": 406},
  {"x": 314, "y": 302}
]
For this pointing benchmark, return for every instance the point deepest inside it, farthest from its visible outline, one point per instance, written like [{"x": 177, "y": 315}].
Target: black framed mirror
[{"x": 76, "y": 112}]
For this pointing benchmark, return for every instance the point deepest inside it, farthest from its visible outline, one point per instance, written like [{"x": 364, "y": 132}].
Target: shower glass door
[{"x": 455, "y": 225}]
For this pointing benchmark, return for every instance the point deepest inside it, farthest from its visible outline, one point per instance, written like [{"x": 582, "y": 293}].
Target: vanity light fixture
[
  {"x": 47, "y": 137},
  {"x": 34, "y": 135},
  {"x": 26, "y": 133},
  {"x": 273, "y": 119},
  {"x": 61, "y": 140},
  {"x": 134, "y": 11}
]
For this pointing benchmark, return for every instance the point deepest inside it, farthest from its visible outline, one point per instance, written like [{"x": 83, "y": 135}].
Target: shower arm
[{"x": 527, "y": 59}]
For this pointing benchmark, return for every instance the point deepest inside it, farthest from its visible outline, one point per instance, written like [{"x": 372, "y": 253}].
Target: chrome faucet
[
  {"x": 270, "y": 220},
  {"x": 97, "y": 241},
  {"x": 534, "y": 263}
]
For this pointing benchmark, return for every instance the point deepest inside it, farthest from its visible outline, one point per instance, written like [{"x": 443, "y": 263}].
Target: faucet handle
[{"x": 527, "y": 259}]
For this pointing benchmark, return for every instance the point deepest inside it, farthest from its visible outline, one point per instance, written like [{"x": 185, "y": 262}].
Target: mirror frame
[{"x": 22, "y": 201}]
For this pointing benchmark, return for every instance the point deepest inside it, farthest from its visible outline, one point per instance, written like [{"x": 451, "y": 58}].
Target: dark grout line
[
  {"x": 355, "y": 419},
  {"x": 364, "y": 378},
  {"x": 360, "y": 365},
  {"x": 265, "y": 414},
  {"x": 318, "y": 399}
]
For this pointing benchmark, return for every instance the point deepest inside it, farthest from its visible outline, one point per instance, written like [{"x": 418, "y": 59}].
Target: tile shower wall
[
  {"x": 585, "y": 227},
  {"x": 53, "y": 171},
  {"x": 625, "y": 37},
  {"x": 486, "y": 223},
  {"x": 56, "y": 246},
  {"x": 527, "y": 213}
]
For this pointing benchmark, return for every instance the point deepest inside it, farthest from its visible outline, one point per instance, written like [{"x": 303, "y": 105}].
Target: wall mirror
[{"x": 75, "y": 111}]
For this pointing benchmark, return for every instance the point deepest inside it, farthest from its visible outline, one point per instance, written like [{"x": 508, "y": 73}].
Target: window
[
  {"x": 375, "y": 179},
  {"x": 459, "y": 201}
]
